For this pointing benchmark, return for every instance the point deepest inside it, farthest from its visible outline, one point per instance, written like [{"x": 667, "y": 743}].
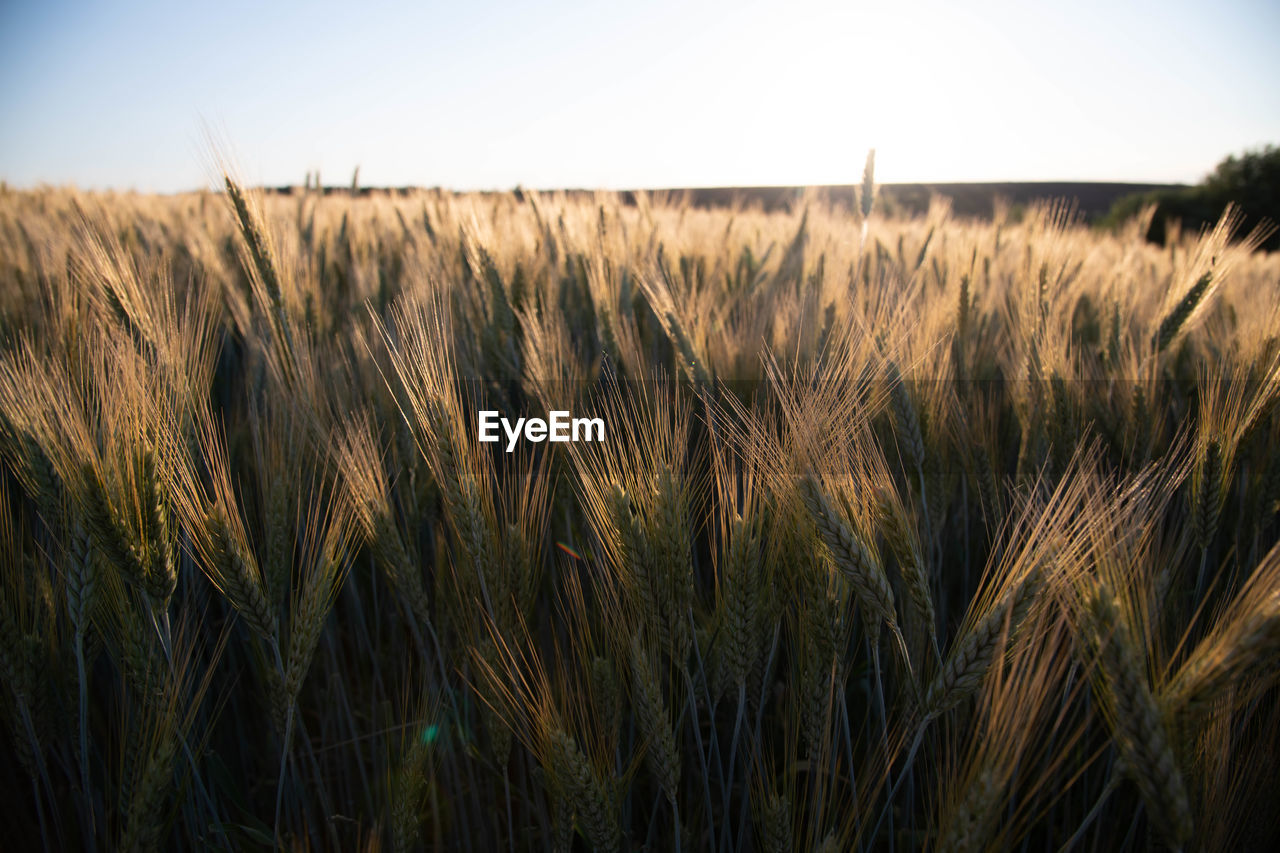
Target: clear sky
[{"x": 614, "y": 94}]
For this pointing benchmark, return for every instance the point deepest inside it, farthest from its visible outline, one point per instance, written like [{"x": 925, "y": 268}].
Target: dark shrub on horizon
[{"x": 1251, "y": 181}]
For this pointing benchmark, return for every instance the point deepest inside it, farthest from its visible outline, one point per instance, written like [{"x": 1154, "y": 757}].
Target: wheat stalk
[
  {"x": 855, "y": 560},
  {"x": 589, "y": 793},
  {"x": 971, "y": 657},
  {"x": 1137, "y": 720},
  {"x": 655, "y": 722}
]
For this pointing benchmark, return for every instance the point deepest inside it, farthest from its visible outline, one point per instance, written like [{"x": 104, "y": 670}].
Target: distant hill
[{"x": 1092, "y": 200}]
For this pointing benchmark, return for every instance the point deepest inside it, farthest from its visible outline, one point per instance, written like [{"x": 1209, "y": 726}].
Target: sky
[{"x": 487, "y": 95}]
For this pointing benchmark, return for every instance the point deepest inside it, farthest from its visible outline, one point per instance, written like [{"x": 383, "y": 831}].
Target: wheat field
[{"x": 904, "y": 534}]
